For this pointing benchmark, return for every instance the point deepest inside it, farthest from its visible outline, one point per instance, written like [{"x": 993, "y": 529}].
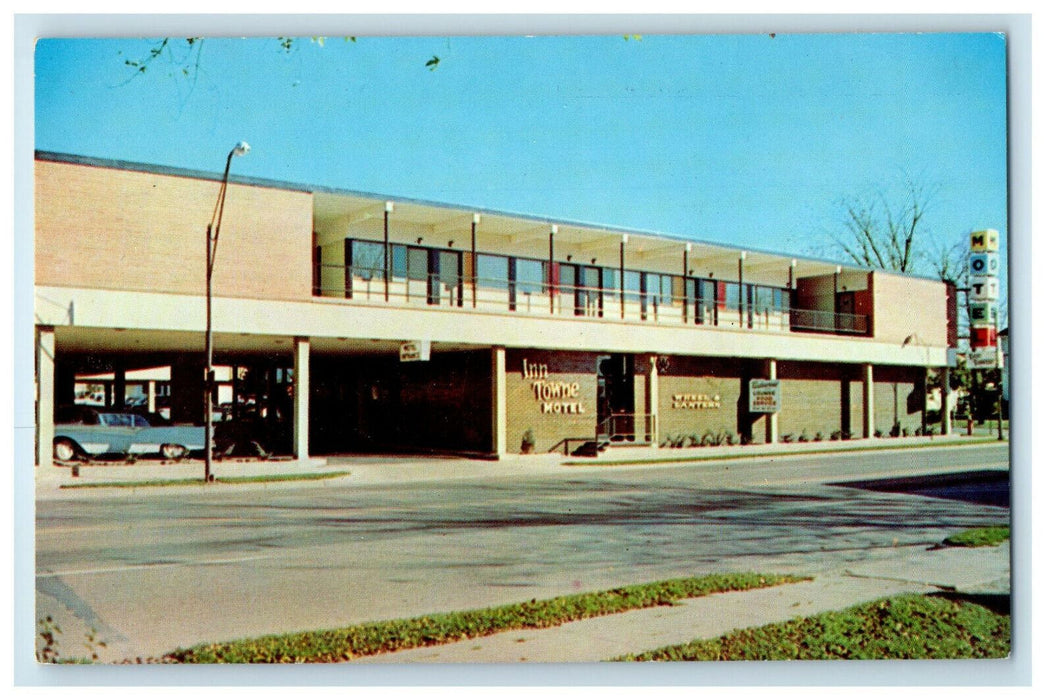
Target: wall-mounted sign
[
  {"x": 696, "y": 401},
  {"x": 765, "y": 396},
  {"x": 983, "y": 358},
  {"x": 415, "y": 351},
  {"x": 556, "y": 397}
]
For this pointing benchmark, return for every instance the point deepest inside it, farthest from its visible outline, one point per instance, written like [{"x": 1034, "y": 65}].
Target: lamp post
[{"x": 211, "y": 240}]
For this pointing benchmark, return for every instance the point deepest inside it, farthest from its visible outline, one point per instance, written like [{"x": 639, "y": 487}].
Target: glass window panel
[
  {"x": 667, "y": 290},
  {"x": 530, "y": 276},
  {"x": 493, "y": 271},
  {"x": 417, "y": 263},
  {"x": 367, "y": 259},
  {"x": 731, "y": 295},
  {"x": 449, "y": 268},
  {"x": 398, "y": 261}
]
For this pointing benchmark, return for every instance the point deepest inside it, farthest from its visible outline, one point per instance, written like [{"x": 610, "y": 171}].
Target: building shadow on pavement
[{"x": 988, "y": 487}]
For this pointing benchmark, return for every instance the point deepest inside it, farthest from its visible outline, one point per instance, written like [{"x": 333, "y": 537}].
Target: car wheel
[
  {"x": 173, "y": 451},
  {"x": 65, "y": 450}
]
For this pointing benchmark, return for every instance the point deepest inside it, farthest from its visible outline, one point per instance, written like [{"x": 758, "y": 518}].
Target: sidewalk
[
  {"x": 415, "y": 468},
  {"x": 908, "y": 570}
]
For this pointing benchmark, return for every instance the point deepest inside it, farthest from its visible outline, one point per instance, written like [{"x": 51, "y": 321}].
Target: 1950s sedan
[{"x": 82, "y": 431}]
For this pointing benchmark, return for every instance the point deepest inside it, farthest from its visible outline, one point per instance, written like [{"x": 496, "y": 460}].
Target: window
[
  {"x": 530, "y": 276},
  {"x": 492, "y": 271},
  {"x": 705, "y": 301},
  {"x": 399, "y": 262},
  {"x": 367, "y": 259}
]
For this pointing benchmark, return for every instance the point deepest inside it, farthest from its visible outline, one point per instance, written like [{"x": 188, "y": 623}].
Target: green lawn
[
  {"x": 904, "y": 627},
  {"x": 979, "y": 537},
  {"x": 392, "y": 635}
]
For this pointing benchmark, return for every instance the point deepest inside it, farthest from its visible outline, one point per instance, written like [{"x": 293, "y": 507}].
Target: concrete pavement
[
  {"x": 884, "y": 570},
  {"x": 416, "y": 468},
  {"x": 909, "y": 570}
]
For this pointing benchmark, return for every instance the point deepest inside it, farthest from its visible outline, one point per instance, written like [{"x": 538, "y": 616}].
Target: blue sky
[{"x": 743, "y": 139}]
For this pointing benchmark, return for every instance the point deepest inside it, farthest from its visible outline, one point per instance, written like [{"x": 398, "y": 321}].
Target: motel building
[{"x": 357, "y": 323}]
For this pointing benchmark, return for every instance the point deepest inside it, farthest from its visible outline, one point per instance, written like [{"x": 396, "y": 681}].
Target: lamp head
[{"x": 241, "y": 149}]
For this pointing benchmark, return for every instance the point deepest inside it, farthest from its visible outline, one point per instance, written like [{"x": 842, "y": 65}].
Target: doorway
[{"x": 615, "y": 398}]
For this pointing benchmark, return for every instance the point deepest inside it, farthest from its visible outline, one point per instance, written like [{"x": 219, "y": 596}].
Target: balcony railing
[{"x": 537, "y": 298}]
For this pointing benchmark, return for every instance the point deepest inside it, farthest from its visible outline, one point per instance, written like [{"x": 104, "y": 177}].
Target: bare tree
[{"x": 882, "y": 234}]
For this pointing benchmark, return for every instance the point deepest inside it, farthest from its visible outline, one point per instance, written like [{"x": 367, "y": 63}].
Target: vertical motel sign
[{"x": 984, "y": 265}]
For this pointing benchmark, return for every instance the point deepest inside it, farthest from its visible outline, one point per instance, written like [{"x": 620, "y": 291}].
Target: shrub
[
  {"x": 788, "y": 437},
  {"x": 818, "y": 437},
  {"x": 694, "y": 440},
  {"x": 803, "y": 438},
  {"x": 708, "y": 439},
  {"x": 527, "y": 445},
  {"x": 836, "y": 435}
]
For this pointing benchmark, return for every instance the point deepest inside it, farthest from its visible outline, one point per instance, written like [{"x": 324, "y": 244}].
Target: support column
[
  {"x": 120, "y": 387},
  {"x": 945, "y": 401},
  {"x": 45, "y": 395},
  {"x": 771, "y": 420},
  {"x": 151, "y": 396},
  {"x": 868, "y": 400},
  {"x": 301, "y": 395},
  {"x": 499, "y": 402},
  {"x": 652, "y": 398}
]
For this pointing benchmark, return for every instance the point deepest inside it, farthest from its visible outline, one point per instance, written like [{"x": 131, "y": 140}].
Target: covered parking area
[{"x": 292, "y": 395}]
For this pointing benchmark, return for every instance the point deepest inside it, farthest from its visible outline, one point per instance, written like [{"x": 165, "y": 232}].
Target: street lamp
[{"x": 211, "y": 240}]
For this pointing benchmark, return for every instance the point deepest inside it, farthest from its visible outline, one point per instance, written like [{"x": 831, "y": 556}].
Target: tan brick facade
[
  {"x": 698, "y": 396},
  {"x": 102, "y": 228},
  {"x": 567, "y": 381}
]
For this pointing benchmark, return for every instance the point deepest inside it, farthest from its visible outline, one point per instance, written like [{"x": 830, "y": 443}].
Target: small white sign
[
  {"x": 415, "y": 351},
  {"x": 765, "y": 396},
  {"x": 983, "y": 358}
]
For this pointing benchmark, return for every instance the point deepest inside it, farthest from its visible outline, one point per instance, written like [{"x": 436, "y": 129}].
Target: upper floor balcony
[{"x": 417, "y": 275}]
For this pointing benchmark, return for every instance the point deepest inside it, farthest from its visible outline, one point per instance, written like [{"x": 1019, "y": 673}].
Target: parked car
[{"x": 82, "y": 431}]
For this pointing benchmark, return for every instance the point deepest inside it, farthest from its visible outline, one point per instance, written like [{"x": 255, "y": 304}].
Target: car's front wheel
[
  {"x": 65, "y": 450},
  {"x": 173, "y": 452}
]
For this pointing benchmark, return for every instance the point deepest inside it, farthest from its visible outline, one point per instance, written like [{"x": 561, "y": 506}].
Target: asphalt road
[{"x": 153, "y": 569}]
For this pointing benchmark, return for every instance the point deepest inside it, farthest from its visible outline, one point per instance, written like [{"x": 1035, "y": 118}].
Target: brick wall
[
  {"x": 100, "y": 228},
  {"x": 699, "y": 395},
  {"x": 898, "y": 393},
  {"x": 526, "y": 411},
  {"x": 820, "y": 399}
]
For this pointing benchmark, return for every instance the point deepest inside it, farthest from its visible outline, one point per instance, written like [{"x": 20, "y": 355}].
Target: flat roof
[{"x": 333, "y": 201}]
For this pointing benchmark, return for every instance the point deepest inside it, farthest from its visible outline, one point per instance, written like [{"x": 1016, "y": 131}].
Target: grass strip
[
  {"x": 990, "y": 536},
  {"x": 392, "y": 635},
  {"x": 903, "y": 627},
  {"x": 258, "y": 479},
  {"x": 784, "y": 453}
]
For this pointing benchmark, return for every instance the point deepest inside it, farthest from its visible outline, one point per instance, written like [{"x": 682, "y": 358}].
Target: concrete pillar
[
  {"x": 771, "y": 420},
  {"x": 652, "y": 398},
  {"x": 151, "y": 396},
  {"x": 868, "y": 400},
  {"x": 45, "y": 395},
  {"x": 187, "y": 399},
  {"x": 945, "y": 401},
  {"x": 301, "y": 396},
  {"x": 120, "y": 387},
  {"x": 65, "y": 385},
  {"x": 499, "y": 402}
]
